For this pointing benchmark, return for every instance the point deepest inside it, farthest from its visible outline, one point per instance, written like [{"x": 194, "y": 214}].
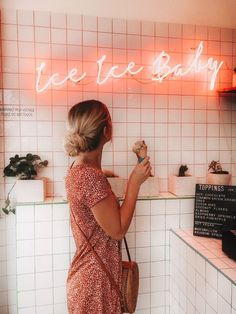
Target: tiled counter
[
  {"x": 202, "y": 277},
  {"x": 45, "y": 248}
]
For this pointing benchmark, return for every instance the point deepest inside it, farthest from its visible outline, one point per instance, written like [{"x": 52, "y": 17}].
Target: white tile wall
[
  {"x": 210, "y": 288},
  {"x": 43, "y": 257},
  {"x": 180, "y": 120},
  {"x": 177, "y": 114}
]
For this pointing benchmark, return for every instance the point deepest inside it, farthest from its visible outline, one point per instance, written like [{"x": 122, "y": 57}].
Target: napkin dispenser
[{"x": 229, "y": 243}]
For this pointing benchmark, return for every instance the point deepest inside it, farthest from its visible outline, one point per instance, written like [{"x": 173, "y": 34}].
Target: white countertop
[
  {"x": 63, "y": 200},
  {"x": 211, "y": 250}
]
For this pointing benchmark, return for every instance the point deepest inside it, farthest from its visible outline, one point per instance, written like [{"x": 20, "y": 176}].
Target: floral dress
[{"x": 89, "y": 290}]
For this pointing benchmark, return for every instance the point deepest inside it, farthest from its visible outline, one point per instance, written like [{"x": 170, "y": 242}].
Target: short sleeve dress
[{"x": 89, "y": 290}]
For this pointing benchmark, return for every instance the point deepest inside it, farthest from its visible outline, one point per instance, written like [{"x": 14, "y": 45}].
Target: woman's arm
[{"x": 115, "y": 220}]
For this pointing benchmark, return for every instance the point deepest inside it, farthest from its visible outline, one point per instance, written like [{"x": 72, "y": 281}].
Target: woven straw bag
[{"x": 130, "y": 284}]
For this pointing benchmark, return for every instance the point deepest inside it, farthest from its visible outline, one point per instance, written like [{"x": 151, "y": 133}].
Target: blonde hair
[{"x": 86, "y": 122}]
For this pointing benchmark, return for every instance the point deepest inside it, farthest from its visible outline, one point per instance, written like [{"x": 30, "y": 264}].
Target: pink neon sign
[{"x": 160, "y": 70}]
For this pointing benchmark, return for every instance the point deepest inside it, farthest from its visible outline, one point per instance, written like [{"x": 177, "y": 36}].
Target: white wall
[
  {"x": 41, "y": 282},
  {"x": 202, "y": 12}
]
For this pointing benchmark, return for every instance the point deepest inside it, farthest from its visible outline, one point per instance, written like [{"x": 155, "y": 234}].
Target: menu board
[{"x": 214, "y": 210}]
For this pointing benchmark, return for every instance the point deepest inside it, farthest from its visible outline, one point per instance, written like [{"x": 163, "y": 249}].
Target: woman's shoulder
[
  {"x": 90, "y": 183},
  {"x": 86, "y": 179},
  {"x": 86, "y": 172}
]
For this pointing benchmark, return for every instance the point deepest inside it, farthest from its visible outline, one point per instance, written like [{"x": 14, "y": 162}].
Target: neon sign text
[
  {"x": 53, "y": 80},
  {"x": 111, "y": 72},
  {"x": 160, "y": 70}
]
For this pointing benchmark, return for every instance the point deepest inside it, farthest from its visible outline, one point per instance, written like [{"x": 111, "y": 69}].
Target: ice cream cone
[{"x": 140, "y": 149}]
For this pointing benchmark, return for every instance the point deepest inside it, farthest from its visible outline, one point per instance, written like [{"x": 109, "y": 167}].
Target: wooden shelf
[{"x": 230, "y": 90}]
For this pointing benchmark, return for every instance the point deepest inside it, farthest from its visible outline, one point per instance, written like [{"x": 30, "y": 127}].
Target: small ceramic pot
[
  {"x": 182, "y": 185},
  {"x": 218, "y": 178},
  {"x": 30, "y": 191}
]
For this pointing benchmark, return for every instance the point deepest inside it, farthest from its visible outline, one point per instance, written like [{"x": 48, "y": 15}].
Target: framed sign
[{"x": 215, "y": 209}]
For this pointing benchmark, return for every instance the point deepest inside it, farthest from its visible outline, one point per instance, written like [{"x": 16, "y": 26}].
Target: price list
[{"x": 214, "y": 210}]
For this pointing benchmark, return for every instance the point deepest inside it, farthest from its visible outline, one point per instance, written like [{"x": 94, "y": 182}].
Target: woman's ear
[{"x": 107, "y": 133}]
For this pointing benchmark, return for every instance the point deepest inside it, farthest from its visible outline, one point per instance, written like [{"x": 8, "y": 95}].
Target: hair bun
[
  {"x": 86, "y": 122},
  {"x": 75, "y": 143}
]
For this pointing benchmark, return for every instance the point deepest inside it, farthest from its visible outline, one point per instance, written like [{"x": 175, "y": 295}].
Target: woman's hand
[{"x": 141, "y": 172}]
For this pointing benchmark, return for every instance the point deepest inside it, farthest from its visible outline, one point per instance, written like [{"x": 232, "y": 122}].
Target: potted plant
[
  {"x": 28, "y": 187},
  {"x": 183, "y": 183},
  {"x": 217, "y": 175}
]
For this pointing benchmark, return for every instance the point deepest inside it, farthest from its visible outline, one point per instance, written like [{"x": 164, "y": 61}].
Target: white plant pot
[
  {"x": 150, "y": 187},
  {"x": 29, "y": 191},
  {"x": 182, "y": 186},
  {"x": 219, "y": 178},
  {"x": 118, "y": 185}
]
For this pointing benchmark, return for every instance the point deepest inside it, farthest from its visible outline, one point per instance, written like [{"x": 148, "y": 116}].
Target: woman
[{"x": 95, "y": 214}]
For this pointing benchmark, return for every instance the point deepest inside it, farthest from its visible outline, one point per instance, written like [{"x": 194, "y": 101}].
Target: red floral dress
[{"x": 89, "y": 290}]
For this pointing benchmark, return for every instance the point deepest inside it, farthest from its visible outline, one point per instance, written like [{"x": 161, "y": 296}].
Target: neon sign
[{"x": 160, "y": 70}]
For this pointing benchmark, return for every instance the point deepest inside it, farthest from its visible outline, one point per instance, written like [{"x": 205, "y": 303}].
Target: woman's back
[{"x": 88, "y": 288}]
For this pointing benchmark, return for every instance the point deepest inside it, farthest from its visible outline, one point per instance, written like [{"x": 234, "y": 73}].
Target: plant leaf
[{"x": 5, "y": 210}]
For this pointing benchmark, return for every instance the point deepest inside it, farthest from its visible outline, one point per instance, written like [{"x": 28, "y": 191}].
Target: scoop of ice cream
[{"x": 140, "y": 149}]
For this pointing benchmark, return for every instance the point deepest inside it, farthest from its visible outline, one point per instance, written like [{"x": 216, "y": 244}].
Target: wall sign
[
  {"x": 11, "y": 112},
  {"x": 161, "y": 68},
  {"x": 215, "y": 206}
]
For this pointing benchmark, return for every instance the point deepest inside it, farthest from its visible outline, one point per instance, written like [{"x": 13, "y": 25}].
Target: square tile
[
  {"x": 43, "y": 246},
  {"x": 224, "y": 287},
  {"x": 89, "y": 23},
  {"x": 26, "y": 298},
  {"x": 43, "y": 263},
  {"x": 104, "y": 25},
  {"x": 25, "y": 282},
  {"x": 44, "y": 297},
  {"x": 43, "y": 280},
  {"x": 119, "y": 26},
  {"x": 74, "y": 21},
  {"x": 42, "y": 18},
  {"x": 25, "y": 265},
  {"x": 58, "y": 20}
]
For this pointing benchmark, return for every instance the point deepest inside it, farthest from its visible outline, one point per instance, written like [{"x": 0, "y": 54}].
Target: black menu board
[{"x": 215, "y": 209}]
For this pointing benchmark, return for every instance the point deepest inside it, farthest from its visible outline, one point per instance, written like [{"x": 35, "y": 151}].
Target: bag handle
[
  {"x": 127, "y": 249},
  {"x": 72, "y": 164},
  {"x": 99, "y": 260},
  {"x": 126, "y": 244}
]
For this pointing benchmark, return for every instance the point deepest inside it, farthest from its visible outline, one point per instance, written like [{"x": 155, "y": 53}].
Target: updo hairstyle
[{"x": 86, "y": 122}]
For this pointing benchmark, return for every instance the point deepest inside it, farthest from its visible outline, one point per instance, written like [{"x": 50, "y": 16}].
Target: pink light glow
[{"x": 160, "y": 69}]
